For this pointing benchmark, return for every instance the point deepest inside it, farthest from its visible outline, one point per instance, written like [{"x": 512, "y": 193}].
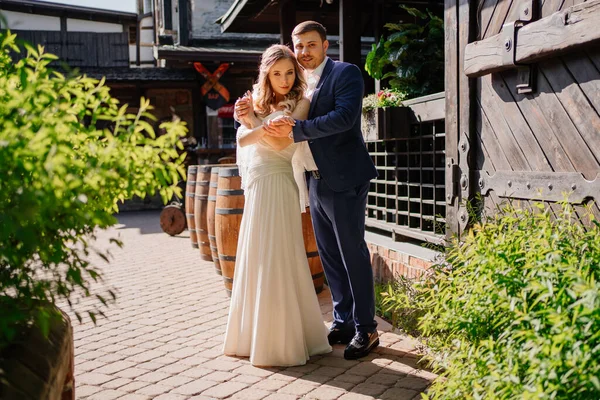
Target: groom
[{"x": 338, "y": 185}]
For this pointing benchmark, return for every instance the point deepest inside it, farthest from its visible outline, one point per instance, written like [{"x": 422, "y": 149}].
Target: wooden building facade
[
  {"x": 226, "y": 59},
  {"x": 522, "y": 104},
  {"x": 115, "y": 45},
  {"x": 111, "y": 44},
  {"x": 519, "y": 119},
  {"x": 224, "y": 65}
]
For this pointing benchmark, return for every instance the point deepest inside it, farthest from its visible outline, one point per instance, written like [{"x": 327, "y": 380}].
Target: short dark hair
[{"x": 310, "y": 26}]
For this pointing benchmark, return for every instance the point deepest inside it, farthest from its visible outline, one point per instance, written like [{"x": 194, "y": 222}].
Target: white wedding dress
[{"x": 274, "y": 316}]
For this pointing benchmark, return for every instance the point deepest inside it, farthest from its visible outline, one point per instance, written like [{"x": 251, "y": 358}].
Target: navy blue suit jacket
[{"x": 333, "y": 128}]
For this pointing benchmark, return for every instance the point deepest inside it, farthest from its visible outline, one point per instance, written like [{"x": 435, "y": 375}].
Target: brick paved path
[{"x": 163, "y": 338}]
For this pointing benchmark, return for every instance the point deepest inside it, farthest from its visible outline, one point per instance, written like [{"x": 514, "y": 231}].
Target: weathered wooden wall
[
  {"x": 82, "y": 49},
  {"x": 555, "y": 129}
]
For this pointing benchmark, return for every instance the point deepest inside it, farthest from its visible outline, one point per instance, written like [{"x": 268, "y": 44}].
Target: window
[{"x": 148, "y": 6}]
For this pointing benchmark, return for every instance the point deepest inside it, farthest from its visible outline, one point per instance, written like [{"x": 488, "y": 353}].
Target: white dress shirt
[{"x": 312, "y": 80}]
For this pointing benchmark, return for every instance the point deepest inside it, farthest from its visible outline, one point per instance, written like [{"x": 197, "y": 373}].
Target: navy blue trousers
[{"x": 339, "y": 223}]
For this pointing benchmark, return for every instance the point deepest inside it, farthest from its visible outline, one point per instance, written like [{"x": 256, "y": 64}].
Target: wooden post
[
  {"x": 287, "y": 21},
  {"x": 138, "y": 32},
  {"x": 138, "y": 40},
  {"x": 184, "y": 25},
  {"x": 451, "y": 85},
  {"x": 199, "y": 108},
  {"x": 466, "y": 98},
  {"x": 350, "y": 30},
  {"x": 378, "y": 22},
  {"x": 167, "y": 15},
  {"x": 63, "y": 53}
]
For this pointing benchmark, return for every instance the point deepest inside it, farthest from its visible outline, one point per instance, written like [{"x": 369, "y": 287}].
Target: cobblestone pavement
[{"x": 162, "y": 339}]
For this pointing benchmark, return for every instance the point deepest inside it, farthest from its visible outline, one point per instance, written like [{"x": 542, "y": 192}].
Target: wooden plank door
[{"x": 531, "y": 146}]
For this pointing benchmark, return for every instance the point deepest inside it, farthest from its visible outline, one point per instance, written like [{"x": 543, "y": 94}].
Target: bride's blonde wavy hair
[{"x": 263, "y": 94}]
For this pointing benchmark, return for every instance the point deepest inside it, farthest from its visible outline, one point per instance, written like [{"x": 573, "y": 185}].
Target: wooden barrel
[
  {"x": 190, "y": 193},
  {"x": 172, "y": 219},
  {"x": 37, "y": 367},
  {"x": 227, "y": 160},
  {"x": 228, "y": 217},
  {"x": 210, "y": 217},
  {"x": 200, "y": 206},
  {"x": 312, "y": 254}
]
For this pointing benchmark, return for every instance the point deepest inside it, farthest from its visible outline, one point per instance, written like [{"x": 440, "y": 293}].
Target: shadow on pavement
[
  {"x": 147, "y": 221},
  {"x": 386, "y": 375}
]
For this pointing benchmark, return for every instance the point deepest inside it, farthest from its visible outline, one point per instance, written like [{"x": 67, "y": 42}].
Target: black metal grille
[{"x": 408, "y": 197}]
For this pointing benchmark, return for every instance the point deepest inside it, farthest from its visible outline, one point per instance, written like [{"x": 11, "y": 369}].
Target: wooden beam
[
  {"x": 350, "y": 31},
  {"x": 287, "y": 21},
  {"x": 428, "y": 108},
  {"x": 560, "y": 32},
  {"x": 540, "y": 185}
]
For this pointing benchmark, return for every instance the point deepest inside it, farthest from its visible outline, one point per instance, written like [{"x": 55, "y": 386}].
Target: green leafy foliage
[
  {"x": 61, "y": 177},
  {"x": 412, "y": 55},
  {"x": 399, "y": 302},
  {"x": 516, "y": 309},
  {"x": 379, "y": 308}
]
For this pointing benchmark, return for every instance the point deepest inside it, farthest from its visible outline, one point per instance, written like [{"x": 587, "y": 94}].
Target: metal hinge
[
  {"x": 526, "y": 76},
  {"x": 453, "y": 178}
]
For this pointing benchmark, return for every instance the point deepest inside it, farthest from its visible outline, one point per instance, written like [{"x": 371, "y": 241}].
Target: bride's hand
[
  {"x": 282, "y": 120},
  {"x": 244, "y": 108},
  {"x": 279, "y": 126}
]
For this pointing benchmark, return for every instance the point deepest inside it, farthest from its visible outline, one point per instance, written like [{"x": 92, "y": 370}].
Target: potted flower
[
  {"x": 411, "y": 61},
  {"x": 411, "y": 57},
  {"x": 384, "y": 116}
]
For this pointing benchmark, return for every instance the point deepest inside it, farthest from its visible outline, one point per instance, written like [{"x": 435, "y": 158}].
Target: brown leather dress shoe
[
  {"x": 338, "y": 335},
  {"x": 361, "y": 345}
]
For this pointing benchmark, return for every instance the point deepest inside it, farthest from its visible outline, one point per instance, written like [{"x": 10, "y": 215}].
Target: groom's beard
[
  {"x": 308, "y": 67},
  {"x": 308, "y": 64}
]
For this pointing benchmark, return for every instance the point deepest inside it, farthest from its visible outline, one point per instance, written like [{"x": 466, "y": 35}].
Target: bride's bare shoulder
[{"x": 303, "y": 103}]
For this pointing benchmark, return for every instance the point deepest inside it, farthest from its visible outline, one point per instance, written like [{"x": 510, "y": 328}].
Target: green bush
[
  {"x": 411, "y": 56},
  {"x": 380, "y": 310},
  {"x": 517, "y": 309},
  {"x": 61, "y": 177},
  {"x": 398, "y": 301}
]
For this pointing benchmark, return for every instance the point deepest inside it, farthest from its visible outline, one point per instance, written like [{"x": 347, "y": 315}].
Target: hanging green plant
[{"x": 412, "y": 55}]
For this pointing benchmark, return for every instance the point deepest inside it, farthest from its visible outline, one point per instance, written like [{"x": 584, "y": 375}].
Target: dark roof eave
[
  {"x": 77, "y": 12},
  {"x": 241, "y": 10},
  {"x": 128, "y": 74},
  {"x": 195, "y": 55},
  {"x": 227, "y": 19}
]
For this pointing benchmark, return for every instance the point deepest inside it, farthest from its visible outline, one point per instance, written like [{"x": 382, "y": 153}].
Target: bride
[{"x": 274, "y": 316}]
